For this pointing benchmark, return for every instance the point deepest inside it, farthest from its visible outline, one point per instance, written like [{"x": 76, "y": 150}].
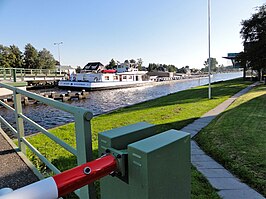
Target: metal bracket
[{"x": 122, "y": 162}]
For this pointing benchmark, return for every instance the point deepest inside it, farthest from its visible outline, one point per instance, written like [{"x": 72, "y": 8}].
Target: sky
[{"x": 157, "y": 31}]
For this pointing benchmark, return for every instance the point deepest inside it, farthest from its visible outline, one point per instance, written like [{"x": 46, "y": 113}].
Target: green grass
[
  {"x": 237, "y": 138},
  {"x": 170, "y": 112}
]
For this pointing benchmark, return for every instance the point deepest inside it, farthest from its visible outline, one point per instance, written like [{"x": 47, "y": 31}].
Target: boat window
[
  {"x": 106, "y": 77},
  {"x": 124, "y": 77},
  {"x": 115, "y": 77},
  {"x": 130, "y": 77}
]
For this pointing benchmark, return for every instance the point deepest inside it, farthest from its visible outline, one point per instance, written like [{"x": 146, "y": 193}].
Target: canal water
[{"x": 99, "y": 102}]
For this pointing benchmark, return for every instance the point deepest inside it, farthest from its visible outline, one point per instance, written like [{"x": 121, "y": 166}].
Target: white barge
[{"x": 122, "y": 77}]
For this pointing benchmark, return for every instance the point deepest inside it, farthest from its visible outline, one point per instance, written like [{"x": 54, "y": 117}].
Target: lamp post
[
  {"x": 58, "y": 48},
  {"x": 209, "y": 46}
]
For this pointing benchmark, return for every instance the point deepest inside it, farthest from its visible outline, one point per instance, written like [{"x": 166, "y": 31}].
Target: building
[{"x": 94, "y": 67}]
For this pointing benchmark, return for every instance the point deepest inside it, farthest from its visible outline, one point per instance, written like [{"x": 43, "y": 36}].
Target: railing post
[
  {"x": 84, "y": 147},
  {"x": 21, "y": 75},
  {"x": 19, "y": 121},
  {"x": 4, "y": 74},
  {"x": 14, "y": 75}
]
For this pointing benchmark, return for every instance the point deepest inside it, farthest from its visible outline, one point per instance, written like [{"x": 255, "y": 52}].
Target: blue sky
[{"x": 167, "y": 32}]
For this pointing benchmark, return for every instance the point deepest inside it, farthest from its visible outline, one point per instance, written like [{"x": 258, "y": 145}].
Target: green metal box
[
  {"x": 158, "y": 165},
  {"x": 119, "y": 138}
]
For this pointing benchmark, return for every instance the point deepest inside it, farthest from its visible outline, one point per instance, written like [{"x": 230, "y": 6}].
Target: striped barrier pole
[{"x": 67, "y": 181}]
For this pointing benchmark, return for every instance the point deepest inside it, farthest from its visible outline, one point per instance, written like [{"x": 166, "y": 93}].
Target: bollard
[
  {"x": 26, "y": 101},
  {"x": 53, "y": 94},
  {"x": 79, "y": 96},
  {"x": 64, "y": 98},
  {"x": 68, "y": 93}
]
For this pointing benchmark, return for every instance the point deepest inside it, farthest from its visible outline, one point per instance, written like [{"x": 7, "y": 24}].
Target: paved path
[
  {"x": 14, "y": 172},
  {"x": 228, "y": 186}
]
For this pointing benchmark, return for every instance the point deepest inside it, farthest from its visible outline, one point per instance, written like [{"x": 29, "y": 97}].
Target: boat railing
[{"x": 82, "y": 118}]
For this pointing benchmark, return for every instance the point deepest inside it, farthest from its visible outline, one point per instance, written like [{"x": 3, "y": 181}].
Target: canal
[{"x": 99, "y": 102}]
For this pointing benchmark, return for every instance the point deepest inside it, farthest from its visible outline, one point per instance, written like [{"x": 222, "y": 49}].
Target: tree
[
  {"x": 132, "y": 63},
  {"x": 30, "y": 57},
  {"x": 183, "y": 70},
  {"x": 161, "y": 67},
  {"x": 151, "y": 67},
  {"x": 171, "y": 68},
  {"x": 4, "y": 54},
  {"x": 139, "y": 63},
  {"x": 241, "y": 60},
  {"x": 111, "y": 65},
  {"x": 78, "y": 70},
  {"x": 253, "y": 33},
  {"x": 213, "y": 65},
  {"x": 15, "y": 57},
  {"x": 46, "y": 60},
  {"x": 10, "y": 57}
]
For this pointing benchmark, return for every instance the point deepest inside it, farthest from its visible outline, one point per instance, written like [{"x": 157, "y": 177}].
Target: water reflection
[{"x": 99, "y": 102}]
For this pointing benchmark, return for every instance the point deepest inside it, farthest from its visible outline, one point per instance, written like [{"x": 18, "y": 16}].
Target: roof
[{"x": 93, "y": 66}]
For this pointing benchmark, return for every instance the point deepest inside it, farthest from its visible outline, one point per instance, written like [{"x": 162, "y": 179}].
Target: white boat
[{"x": 122, "y": 77}]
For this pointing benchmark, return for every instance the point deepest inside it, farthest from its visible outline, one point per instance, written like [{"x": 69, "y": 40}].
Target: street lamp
[
  {"x": 209, "y": 46},
  {"x": 59, "y": 43}
]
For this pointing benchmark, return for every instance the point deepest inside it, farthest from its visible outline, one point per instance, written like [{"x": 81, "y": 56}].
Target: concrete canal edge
[{"x": 20, "y": 85}]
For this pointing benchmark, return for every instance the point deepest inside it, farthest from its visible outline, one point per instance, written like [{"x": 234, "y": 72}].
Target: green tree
[
  {"x": 171, "y": 68},
  {"x": 4, "y": 54},
  {"x": 213, "y": 65},
  {"x": 139, "y": 64},
  {"x": 111, "y": 65},
  {"x": 253, "y": 33},
  {"x": 151, "y": 67},
  {"x": 46, "y": 60},
  {"x": 30, "y": 57},
  {"x": 10, "y": 57},
  {"x": 78, "y": 70},
  {"x": 16, "y": 57}
]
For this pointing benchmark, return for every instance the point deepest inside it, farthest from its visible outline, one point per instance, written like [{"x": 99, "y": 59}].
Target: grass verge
[
  {"x": 237, "y": 138},
  {"x": 173, "y": 111}
]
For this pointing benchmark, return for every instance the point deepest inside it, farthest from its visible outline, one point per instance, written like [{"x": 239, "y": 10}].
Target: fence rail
[
  {"x": 82, "y": 118},
  {"x": 30, "y": 74}
]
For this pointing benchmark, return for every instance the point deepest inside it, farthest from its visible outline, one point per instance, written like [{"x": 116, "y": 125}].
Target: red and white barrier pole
[{"x": 67, "y": 181}]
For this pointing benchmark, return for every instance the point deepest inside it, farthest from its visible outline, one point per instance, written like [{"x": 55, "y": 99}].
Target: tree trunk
[
  {"x": 244, "y": 72},
  {"x": 259, "y": 74}
]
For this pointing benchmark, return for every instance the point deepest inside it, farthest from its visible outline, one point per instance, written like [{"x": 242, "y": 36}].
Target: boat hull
[{"x": 91, "y": 86}]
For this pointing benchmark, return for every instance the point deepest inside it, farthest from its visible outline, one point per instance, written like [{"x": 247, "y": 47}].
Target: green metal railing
[
  {"x": 82, "y": 118},
  {"x": 22, "y": 73}
]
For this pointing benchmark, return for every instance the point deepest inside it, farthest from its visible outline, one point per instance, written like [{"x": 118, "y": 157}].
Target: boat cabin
[{"x": 110, "y": 77}]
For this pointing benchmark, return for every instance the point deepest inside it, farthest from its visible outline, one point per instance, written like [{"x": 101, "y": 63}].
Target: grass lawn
[
  {"x": 237, "y": 138},
  {"x": 170, "y": 112}
]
